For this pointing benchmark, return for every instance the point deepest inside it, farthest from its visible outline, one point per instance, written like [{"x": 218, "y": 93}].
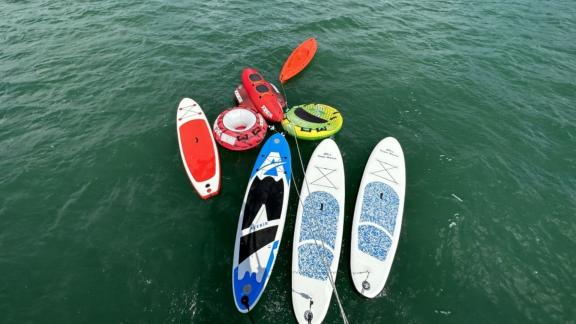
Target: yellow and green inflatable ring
[{"x": 312, "y": 121}]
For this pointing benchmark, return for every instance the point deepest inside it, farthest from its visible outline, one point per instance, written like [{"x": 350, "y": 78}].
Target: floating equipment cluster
[{"x": 319, "y": 225}]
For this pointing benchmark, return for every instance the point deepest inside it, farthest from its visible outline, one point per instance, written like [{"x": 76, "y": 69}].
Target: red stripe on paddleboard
[{"x": 198, "y": 150}]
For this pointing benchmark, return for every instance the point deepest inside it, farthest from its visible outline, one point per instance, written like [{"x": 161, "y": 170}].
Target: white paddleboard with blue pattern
[
  {"x": 318, "y": 233},
  {"x": 378, "y": 217}
]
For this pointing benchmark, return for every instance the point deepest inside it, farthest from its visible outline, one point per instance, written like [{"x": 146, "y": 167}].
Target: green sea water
[{"x": 99, "y": 223}]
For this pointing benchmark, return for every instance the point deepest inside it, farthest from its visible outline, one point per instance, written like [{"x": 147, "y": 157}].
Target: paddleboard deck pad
[
  {"x": 378, "y": 217},
  {"x": 198, "y": 148},
  {"x": 261, "y": 222}
]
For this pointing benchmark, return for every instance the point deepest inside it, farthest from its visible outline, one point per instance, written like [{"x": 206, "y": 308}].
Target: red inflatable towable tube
[
  {"x": 263, "y": 95},
  {"x": 239, "y": 128},
  {"x": 243, "y": 99}
]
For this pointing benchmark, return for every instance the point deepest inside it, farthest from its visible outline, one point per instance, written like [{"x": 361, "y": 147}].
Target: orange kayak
[{"x": 299, "y": 59}]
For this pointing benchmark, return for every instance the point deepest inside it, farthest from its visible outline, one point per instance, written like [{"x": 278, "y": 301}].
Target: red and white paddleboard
[{"x": 198, "y": 148}]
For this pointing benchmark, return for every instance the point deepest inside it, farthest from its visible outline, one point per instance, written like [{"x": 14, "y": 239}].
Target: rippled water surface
[{"x": 99, "y": 224}]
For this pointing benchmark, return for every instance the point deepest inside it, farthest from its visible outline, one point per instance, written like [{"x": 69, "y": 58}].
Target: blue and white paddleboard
[
  {"x": 378, "y": 217},
  {"x": 318, "y": 233},
  {"x": 261, "y": 222}
]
